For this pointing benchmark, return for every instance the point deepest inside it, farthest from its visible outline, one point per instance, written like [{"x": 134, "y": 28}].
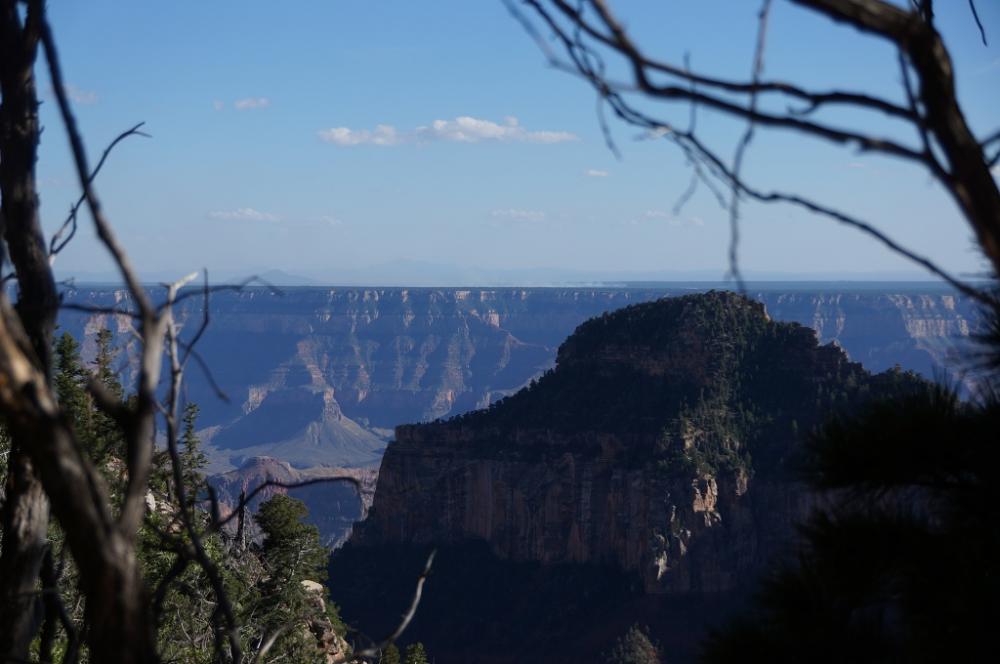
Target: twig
[
  {"x": 163, "y": 587},
  {"x": 903, "y": 28},
  {"x": 96, "y": 309},
  {"x": 83, "y": 172},
  {"x": 734, "y": 203},
  {"x": 268, "y": 643},
  {"x": 246, "y": 499},
  {"x": 55, "y": 246},
  {"x": 979, "y": 23},
  {"x": 225, "y": 608},
  {"x": 376, "y": 650}
]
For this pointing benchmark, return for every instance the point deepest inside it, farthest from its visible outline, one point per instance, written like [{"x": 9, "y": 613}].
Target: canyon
[{"x": 320, "y": 377}]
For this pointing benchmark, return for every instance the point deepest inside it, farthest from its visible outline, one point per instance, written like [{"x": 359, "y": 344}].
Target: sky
[{"x": 393, "y": 140}]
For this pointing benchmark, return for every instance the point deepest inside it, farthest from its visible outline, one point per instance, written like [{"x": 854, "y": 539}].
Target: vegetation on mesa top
[{"x": 700, "y": 380}]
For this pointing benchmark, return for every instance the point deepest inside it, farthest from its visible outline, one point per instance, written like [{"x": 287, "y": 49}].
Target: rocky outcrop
[
  {"x": 659, "y": 445},
  {"x": 636, "y": 450},
  {"x": 331, "y": 644}
]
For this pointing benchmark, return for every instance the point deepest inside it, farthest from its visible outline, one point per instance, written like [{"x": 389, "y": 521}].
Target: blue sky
[{"x": 267, "y": 152}]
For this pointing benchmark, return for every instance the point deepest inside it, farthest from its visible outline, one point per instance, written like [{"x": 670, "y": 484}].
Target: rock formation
[{"x": 659, "y": 446}]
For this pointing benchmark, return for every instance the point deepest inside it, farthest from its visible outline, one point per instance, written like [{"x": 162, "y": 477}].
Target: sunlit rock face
[
  {"x": 321, "y": 376},
  {"x": 659, "y": 443}
]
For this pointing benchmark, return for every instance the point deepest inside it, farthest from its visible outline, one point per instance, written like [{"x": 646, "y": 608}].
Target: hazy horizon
[{"x": 280, "y": 143}]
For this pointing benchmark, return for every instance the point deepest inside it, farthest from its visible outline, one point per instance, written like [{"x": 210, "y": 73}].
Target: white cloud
[
  {"x": 218, "y": 104},
  {"x": 243, "y": 214},
  {"x": 251, "y": 103},
  {"x": 463, "y": 129},
  {"x": 329, "y": 220},
  {"x": 594, "y": 173},
  {"x": 79, "y": 96},
  {"x": 344, "y": 137},
  {"x": 655, "y": 133},
  {"x": 667, "y": 217},
  {"x": 519, "y": 215},
  {"x": 996, "y": 170}
]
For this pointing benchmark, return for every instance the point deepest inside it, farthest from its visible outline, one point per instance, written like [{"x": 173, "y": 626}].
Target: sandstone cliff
[
  {"x": 660, "y": 446},
  {"x": 658, "y": 443}
]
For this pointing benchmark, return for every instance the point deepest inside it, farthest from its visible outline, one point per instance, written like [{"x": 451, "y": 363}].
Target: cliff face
[
  {"x": 321, "y": 376},
  {"x": 658, "y": 444}
]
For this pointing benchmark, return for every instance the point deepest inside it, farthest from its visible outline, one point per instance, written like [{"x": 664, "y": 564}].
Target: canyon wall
[
  {"x": 320, "y": 376},
  {"x": 659, "y": 446}
]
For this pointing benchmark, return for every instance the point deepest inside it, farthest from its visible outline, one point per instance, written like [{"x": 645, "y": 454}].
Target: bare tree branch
[
  {"x": 376, "y": 650},
  {"x": 268, "y": 643},
  {"x": 56, "y": 244},
  {"x": 205, "y": 369},
  {"x": 163, "y": 587},
  {"x": 979, "y": 23},
  {"x": 734, "y": 204},
  {"x": 965, "y": 176},
  {"x": 225, "y": 608},
  {"x": 104, "y": 232},
  {"x": 246, "y": 499}
]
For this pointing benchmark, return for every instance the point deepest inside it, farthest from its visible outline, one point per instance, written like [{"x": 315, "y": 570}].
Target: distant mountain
[{"x": 648, "y": 472}]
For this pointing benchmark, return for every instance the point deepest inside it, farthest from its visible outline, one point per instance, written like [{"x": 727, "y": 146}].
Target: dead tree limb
[
  {"x": 375, "y": 651},
  {"x": 69, "y": 226},
  {"x": 25, "y": 514},
  {"x": 588, "y": 30}
]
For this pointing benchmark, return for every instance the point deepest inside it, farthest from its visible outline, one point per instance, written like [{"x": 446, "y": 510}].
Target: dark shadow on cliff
[{"x": 479, "y": 608}]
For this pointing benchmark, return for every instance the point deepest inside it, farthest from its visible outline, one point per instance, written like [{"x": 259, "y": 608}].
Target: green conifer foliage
[
  {"x": 634, "y": 648},
  {"x": 193, "y": 460},
  {"x": 107, "y": 439},
  {"x": 390, "y": 655},
  {"x": 415, "y": 654},
  {"x": 292, "y": 554},
  {"x": 70, "y": 382},
  {"x": 901, "y": 561}
]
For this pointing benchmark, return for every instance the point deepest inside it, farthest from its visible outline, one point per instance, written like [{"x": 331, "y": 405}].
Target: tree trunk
[
  {"x": 25, "y": 521},
  {"x": 118, "y": 611},
  {"x": 47, "y": 464},
  {"x": 26, "y": 511}
]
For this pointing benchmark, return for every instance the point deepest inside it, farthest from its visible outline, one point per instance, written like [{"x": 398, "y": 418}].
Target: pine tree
[
  {"x": 104, "y": 363},
  {"x": 193, "y": 460},
  {"x": 415, "y": 654},
  {"x": 390, "y": 655},
  {"x": 292, "y": 553},
  {"x": 107, "y": 437},
  {"x": 70, "y": 379},
  {"x": 634, "y": 648}
]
